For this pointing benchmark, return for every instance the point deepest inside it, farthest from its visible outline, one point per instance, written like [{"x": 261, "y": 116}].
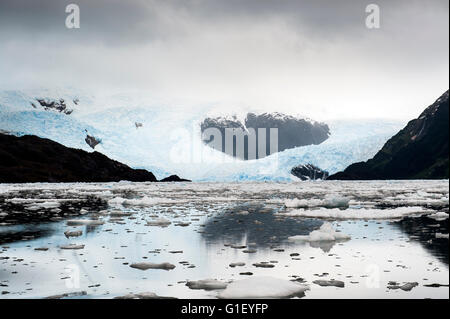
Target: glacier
[{"x": 168, "y": 142}]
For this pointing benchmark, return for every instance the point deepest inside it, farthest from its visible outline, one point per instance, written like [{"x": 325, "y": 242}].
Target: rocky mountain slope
[
  {"x": 419, "y": 151},
  {"x": 309, "y": 172},
  {"x": 165, "y": 131},
  {"x": 33, "y": 159},
  {"x": 292, "y": 132}
]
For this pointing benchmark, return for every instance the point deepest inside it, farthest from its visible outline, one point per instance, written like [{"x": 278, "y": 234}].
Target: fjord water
[{"x": 213, "y": 225}]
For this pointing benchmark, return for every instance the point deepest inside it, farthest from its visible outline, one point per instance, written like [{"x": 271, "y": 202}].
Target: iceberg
[{"x": 262, "y": 287}]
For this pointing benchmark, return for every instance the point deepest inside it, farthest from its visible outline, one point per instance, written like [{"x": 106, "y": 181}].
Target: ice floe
[
  {"x": 75, "y": 233},
  {"x": 72, "y": 246},
  {"x": 330, "y": 201},
  {"x": 439, "y": 216},
  {"x": 329, "y": 283},
  {"x": 146, "y": 265},
  {"x": 324, "y": 233},
  {"x": 262, "y": 287},
  {"x": 163, "y": 222},
  {"x": 145, "y": 201},
  {"x": 405, "y": 287},
  {"x": 84, "y": 222},
  {"x": 361, "y": 213},
  {"x": 143, "y": 295},
  {"x": 206, "y": 284}
]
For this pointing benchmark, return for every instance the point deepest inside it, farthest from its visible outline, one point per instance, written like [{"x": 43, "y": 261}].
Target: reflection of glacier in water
[{"x": 208, "y": 226}]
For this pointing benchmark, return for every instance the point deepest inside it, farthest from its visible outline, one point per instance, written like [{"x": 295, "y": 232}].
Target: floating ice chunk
[
  {"x": 76, "y": 233},
  {"x": 263, "y": 287},
  {"x": 299, "y": 238},
  {"x": 143, "y": 295},
  {"x": 263, "y": 265},
  {"x": 436, "y": 285},
  {"x": 329, "y": 283},
  {"x": 362, "y": 213},
  {"x": 143, "y": 202},
  {"x": 324, "y": 233},
  {"x": 146, "y": 201},
  {"x": 438, "y": 216},
  {"x": 84, "y": 222},
  {"x": 206, "y": 284},
  {"x": 159, "y": 222},
  {"x": 49, "y": 204},
  {"x": 145, "y": 266},
  {"x": 36, "y": 203},
  {"x": 300, "y": 203},
  {"x": 330, "y": 201},
  {"x": 336, "y": 201},
  {"x": 183, "y": 224},
  {"x": 67, "y": 295},
  {"x": 118, "y": 213},
  {"x": 439, "y": 235},
  {"x": 72, "y": 246},
  {"x": 238, "y": 246},
  {"x": 406, "y": 287},
  {"x": 33, "y": 207},
  {"x": 116, "y": 201}
]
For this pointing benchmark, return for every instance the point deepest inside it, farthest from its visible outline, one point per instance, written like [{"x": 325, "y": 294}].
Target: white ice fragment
[
  {"x": 75, "y": 233},
  {"x": 355, "y": 213},
  {"x": 406, "y": 287},
  {"x": 438, "y": 216},
  {"x": 330, "y": 201},
  {"x": 84, "y": 222},
  {"x": 118, "y": 213},
  {"x": 72, "y": 246},
  {"x": 206, "y": 284},
  {"x": 262, "y": 287},
  {"x": 142, "y": 295},
  {"x": 329, "y": 283},
  {"x": 440, "y": 235},
  {"x": 336, "y": 201},
  {"x": 144, "y": 201},
  {"x": 146, "y": 265},
  {"x": 159, "y": 222},
  {"x": 324, "y": 233}
]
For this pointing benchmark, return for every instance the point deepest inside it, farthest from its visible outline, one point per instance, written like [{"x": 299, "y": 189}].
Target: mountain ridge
[
  {"x": 112, "y": 119},
  {"x": 419, "y": 151},
  {"x": 29, "y": 159}
]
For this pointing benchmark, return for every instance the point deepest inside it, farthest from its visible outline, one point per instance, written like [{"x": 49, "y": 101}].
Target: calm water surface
[{"x": 210, "y": 223}]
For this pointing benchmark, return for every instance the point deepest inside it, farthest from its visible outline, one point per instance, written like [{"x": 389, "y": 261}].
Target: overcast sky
[{"x": 315, "y": 58}]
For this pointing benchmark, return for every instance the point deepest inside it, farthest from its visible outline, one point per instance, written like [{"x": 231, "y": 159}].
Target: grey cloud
[
  {"x": 121, "y": 22},
  {"x": 277, "y": 52}
]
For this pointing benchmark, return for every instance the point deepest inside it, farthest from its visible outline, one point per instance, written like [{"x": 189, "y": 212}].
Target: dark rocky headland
[
  {"x": 29, "y": 159},
  {"x": 419, "y": 151}
]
